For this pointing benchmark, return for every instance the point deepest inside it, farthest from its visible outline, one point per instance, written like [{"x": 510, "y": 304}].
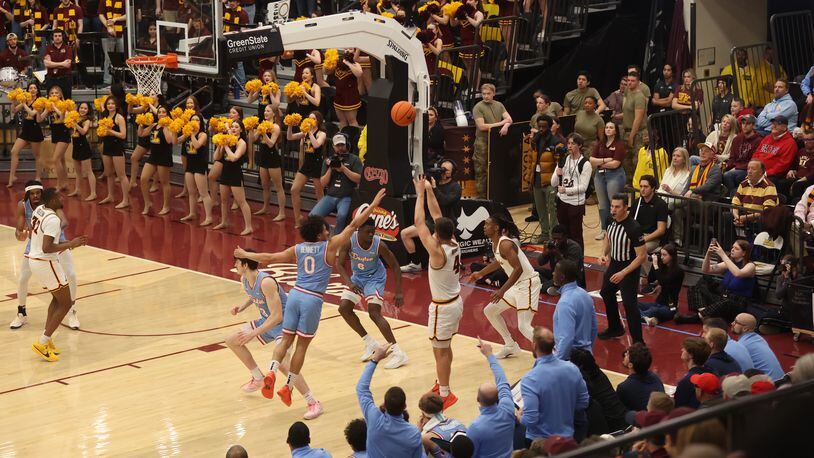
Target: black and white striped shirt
[{"x": 624, "y": 237}]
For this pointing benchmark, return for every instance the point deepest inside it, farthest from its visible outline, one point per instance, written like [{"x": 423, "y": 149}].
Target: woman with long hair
[
  {"x": 674, "y": 181},
  {"x": 269, "y": 163},
  {"x": 683, "y": 96},
  {"x": 60, "y": 135},
  {"x": 666, "y": 277},
  {"x": 266, "y": 99},
  {"x": 347, "y": 101},
  {"x": 142, "y": 139},
  {"x": 231, "y": 180},
  {"x": 312, "y": 152},
  {"x": 235, "y": 114},
  {"x": 607, "y": 159},
  {"x": 30, "y": 135},
  {"x": 160, "y": 160},
  {"x": 191, "y": 103},
  {"x": 196, "y": 145},
  {"x": 82, "y": 152},
  {"x": 113, "y": 153},
  {"x": 467, "y": 20},
  {"x": 722, "y": 137}
]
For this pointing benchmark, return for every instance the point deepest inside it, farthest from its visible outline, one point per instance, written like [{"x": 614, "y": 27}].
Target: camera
[
  {"x": 435, "y": 172},
  {"x": 335, "y": 161}
]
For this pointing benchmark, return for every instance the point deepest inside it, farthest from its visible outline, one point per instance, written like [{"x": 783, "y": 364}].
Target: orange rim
[{"x": 168, "y": 60}]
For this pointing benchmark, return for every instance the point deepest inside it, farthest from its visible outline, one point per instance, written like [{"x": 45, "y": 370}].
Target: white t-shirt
[{"x": 44, "y": 221}]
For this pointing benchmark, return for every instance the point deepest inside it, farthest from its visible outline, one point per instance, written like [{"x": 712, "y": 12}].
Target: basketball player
[
  {"x": 446, "y": 307},
  {"x": 46, "y": 265},
  {"x": 520, "y": 292},
  {"x": 304, "y": 305},
  {"x": 369, "y": 277},
  {"x": 270, "y": 298},
  {"x": 25, "y": 208}
]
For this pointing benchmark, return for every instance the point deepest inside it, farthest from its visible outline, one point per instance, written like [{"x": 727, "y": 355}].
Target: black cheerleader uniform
[
  {"x": 232, "y": 174},
  {"x": 160, "y": 149},
  {"x": 59, "y": 133},
  {"x": 347, "y": 90},
  {"x": 269, "y": 157},
  {"x": 31, "y": 131},
  {"x": 312, "y": 162},
  {"x": 197, "y": 160},
  {"x": 81, "y": 146},
  {"x": 113, "y": 146}
]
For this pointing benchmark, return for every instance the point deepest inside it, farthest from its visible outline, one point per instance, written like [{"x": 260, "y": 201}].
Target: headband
[{"x": 32, "y": 187}]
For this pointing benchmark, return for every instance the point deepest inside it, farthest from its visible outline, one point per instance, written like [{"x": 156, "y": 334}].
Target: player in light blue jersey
[
  {"x": 435, "y": 425},
  {"x": 366, "y": 250},
  {"x": 304, "y": 307},
  {"x": 270, "y": 299}
]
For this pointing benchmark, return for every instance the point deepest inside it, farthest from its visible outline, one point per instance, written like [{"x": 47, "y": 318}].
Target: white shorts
[
  {"x": 444, "y": 320},
  {"x": 355, "y": 299},
  {"x": 525, "y": 294},
  {"x": 49, "y": 273}
]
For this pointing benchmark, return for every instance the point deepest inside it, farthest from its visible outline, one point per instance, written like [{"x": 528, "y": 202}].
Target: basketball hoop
[{"x": 148, "y": 71}]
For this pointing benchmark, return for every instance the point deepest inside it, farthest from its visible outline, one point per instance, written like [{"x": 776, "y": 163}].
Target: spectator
[
  {"x": 707, "y": 389},
  {"x": 723, "y": 136},
  {"x": 790, "y": 270},
  {"x": 720, "y": 362},
  {"x": 763, "y": 358},
  {"x": 356, "y": 435},
  {"x": 545, "y": 107},
  {"x": 606, "y": 413},
  {"x": 553, "y": 391},
  {"x": 767, "y": 70},
  {"x": 694, "y": 353},
  {"x": 651, "y": 212},
  {"x": 574, "y": 320},
  {"x": 674, "y": 181},
  {"x": 665, "y": 281},
  {"x": 112, "y": 15},
  {"x": 754, "y": 193},
  {"x": 653, "y": 445},
  {"x": 590, "y": 125},
  {"x": 805, "y": 210},
  {"x": 389, "y": 432},
  {"x": 560, "y": 248},
  {"x": 14, "y": 56},
  {"x": 614, "y": 101},
  {"x": 705, "y": 179},
  {"x": 738, "y": 109},
  {"x": 642, "y": 85},
  {"x": 806, "y": 86},
  {"x": 571, "y": 179},
  {"x": 693, "y": 138},
  {"x": 548, "y": 145},
  {"x": 799, "y": 178},
  {"x": 733, "y": 348},
  {"x": 574, "y": 99},
  {"x": 59, "y": 62},
  {"x": 745, "y": 80},
  {"x": 492, "y": 432},
  {"x": 434, "y": 424},
  {"x": 607, "y": 159},
  {"x": 663, "y": 91},
  {"x": 299, "y": 440},
  {"x": 651, "y": 148},
  {"x": 803, "y": 369},
  {"x": 237, "y": 451},
  {"x": 735, "y": 289},
  {"x": 721, "y": 102},
  {"x": 636, "y": 390},
  {"x": 341, "y": 173},
  {"x": 740, "y": 153},
  {"x": 782, "y": 106},
  {"x": 736, "y": 386},
  {"x": 777, "y": 150},
  {"x": 634, "y": 109},
  {"x": 488, "y": 113},
  {"x": 434, "y": 142},
  {"x": 684, "y": 95}
]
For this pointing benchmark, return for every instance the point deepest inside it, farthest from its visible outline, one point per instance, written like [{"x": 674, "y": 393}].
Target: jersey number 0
[{"x": 309, "y": 264}]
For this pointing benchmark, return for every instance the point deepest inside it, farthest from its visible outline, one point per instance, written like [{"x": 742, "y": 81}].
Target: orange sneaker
[
  {"x": 436, "y": 388},
  {"x": 285, "y": 395},
  {"x": 268, "y": 385},
  {"x": 450, "y": 400}
]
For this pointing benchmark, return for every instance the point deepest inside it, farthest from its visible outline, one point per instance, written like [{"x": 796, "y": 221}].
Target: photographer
[
  {"x": 340, "y": 174},
  {"x": 448, "y": 193},
  {"x": 558, "y": 248},
  {"x": 549, "y": 145}
]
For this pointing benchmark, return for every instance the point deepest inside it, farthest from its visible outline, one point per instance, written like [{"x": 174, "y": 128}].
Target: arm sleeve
[
  {"x": 504, "y": 391},
  {"x": 531, "y": 404},
  {"x": 563, "y": 331},
  {"x": 369, "y": 409}
]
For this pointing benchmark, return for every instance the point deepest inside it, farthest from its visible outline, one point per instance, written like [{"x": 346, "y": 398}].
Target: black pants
[{"x": 628, "y": 286}]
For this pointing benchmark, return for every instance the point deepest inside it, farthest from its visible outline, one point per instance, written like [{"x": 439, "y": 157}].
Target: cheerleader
[
  {"x": 60, "y": 136},
  {"x": 347, "y": 101},
  {"x": 235, "y": 114},
  {"x": 301, "y": 60},
  {"x": 444, "y": 26},
  {"x": 312, "y": 150},
  {"x": 191, "y": 103},
  {"x": 196, "y": 146},
  {"x": 270, "y": 165},
  {"x": 231, "y": 180},
  {"x": 160, "y": 159},
  {"x": 468, "y": 18},
  {"x": 142, "y": 143},
  {"x": 432, "y": 45},
  {"x": 310, "y": 100},
  {"x": 31, "y": 134},
  {"x": 266, "y": 99},
  {"x": 82, "y": 153},
  {"x": 113, "y": 153}
]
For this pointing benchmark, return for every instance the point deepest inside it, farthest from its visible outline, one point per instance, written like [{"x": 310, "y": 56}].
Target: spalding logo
[{"x": 387, "y": 225}]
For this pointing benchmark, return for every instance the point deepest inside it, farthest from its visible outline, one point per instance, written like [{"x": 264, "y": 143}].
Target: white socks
[
  {"x": 274, "y": 366},
  {"x": 257, "y": 374},
  {"x": 443, "y": 391}
]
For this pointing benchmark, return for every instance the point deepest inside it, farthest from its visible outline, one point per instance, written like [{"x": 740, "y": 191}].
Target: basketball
[{"x": 403, "y": 113}]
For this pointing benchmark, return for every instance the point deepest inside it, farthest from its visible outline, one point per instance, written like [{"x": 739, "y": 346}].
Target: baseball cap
[
  {"x": 644, "y": 418},
  {"x": 10, "y": 36},
  {"x": 339, "y": 139},
  {"x": 735, "y": 385},
  {"x": 706, "y": 382},
  {"x": 748, "y": 118},
  {"x": 555, "y": 445},
  {"x": 709, "y": 145},
  {"x": 780, "y": 119},
  {"x": 762, "y": 386}
]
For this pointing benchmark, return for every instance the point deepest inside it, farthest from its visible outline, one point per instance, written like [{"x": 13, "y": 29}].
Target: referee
[{"x": 625, "y": 249}]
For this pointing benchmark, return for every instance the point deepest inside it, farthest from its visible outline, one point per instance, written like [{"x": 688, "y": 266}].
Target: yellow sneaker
[
  {"x": 44, "y": 351},
  {"x": 53, "y": 347}
]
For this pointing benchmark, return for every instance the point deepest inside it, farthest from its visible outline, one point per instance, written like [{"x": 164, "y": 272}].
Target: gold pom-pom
[
  {"x": 251, "y": 122},
  {"x": 270, "y": 88},
  {"x": 292, "y": 89},
  {"x": 176, "y": 112},
  {"x": 71, "y": 119},
  {"x": 331, "y": 59},
  {"x": 164, "y": 122},
  {"x": 176, "y": 125},
  {"x": 450, "y": 9},
  {"x": 99, "y": 103},
  {"x": 254, "y": 85},
  {"x": 308, "y": 124},
  {"x": 188, "y": 114},
  {"x": 144, "y": 119},
  {"x": 106, "y": 122},
  {"x": 41, "y": 104},
  {"x": 66, "y": 105},
  {"x": 293, "y": 119},
  {"x": 191, "y": 128},
  {"x": 265, "y": 128}
]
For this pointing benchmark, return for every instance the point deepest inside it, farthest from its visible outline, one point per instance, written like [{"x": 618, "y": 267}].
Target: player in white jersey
[
  {"x": 25, "y": 209},
  {"x": 520, "y": 292},
  {"x": 46, "y": 228},
  {"x": 446, "y": 308}
]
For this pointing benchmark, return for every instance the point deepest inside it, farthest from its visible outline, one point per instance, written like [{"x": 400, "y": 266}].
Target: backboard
[{"x": 187, "y": 32}]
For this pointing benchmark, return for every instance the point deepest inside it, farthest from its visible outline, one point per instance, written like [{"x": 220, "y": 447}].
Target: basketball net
[{"x": 148, "y": 76}]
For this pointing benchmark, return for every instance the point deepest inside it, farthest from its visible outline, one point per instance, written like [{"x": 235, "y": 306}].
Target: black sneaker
[{"x": 611, "y": 333}]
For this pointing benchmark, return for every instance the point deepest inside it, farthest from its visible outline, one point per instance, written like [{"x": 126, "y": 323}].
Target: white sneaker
[
  {"x": 411, "y": 267},
  {"x": 396, "y": 360},
  {"x": 600, "y": 235},
  {"x": 511, "y": 349},
  {"x": 19, "y": 321},
  {"x": 651, "y": 321},
  {"x": 553, "y": 291},
  {"x": 73, "y": 321},
  {"x": 314, "y": 410},
  {"x": 370, "y": 347}
]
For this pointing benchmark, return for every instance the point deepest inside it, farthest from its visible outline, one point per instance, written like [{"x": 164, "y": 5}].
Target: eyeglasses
[{"x": 738, "y": 323}]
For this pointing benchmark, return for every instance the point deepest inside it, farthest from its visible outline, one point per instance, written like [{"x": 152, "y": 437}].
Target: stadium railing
[
  {"x": 454, "y": 81},
  {"x": 702, "y": 93},
  {"x": 562, "y": 19},
  {"x": 755, "y": 83},
  {"x": 672, "y": 129},
  {"x": 499, "y": 39},
  {"x": 793, "y": 34}
]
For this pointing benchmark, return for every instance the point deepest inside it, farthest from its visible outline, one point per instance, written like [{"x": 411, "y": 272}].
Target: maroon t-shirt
[
  {"x": 60, "y": 54},
  {"x": 805, "y": 164},
  {"x": 616, "y": 150},
  {"x": 9, "y": 59}
]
